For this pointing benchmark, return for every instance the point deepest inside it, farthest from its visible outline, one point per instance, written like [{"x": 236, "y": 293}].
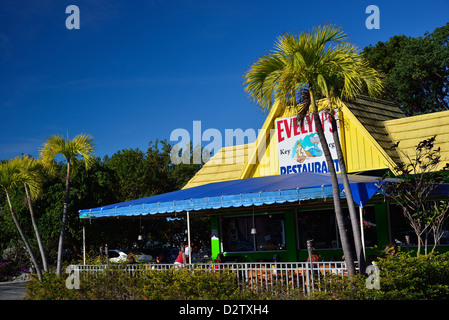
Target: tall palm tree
[
  {"x": 335, "y": 89},
  {"x": 11, "y": 177},
  {"x": 80, "y": 147},
  {"x": 30, "y": 167},
  {"x": 303, "y": 69}
]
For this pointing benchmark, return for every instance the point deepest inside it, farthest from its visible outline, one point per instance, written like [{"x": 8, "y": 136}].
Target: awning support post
[
  {"x": 84, "y": 243},
  {"x": 188, "y": 237},
  {"x": 361, "y": 229}
]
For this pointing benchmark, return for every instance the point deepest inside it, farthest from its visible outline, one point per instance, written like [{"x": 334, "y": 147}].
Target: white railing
[{"x": 305, "y": 276}]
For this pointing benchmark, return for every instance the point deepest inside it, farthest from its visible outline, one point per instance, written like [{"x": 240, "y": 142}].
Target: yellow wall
[{"x": 360, "y": 154}]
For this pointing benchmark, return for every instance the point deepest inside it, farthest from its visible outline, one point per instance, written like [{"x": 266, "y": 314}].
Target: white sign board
[{"x": 299, "y": 147}]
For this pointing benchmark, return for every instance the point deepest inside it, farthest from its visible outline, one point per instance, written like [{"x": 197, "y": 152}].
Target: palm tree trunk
[
  {"x": 64, "y": 221},
  {"x": 336, "y": 191},
  {"x": 24, "y": 238},
  {"x": 36, "y": 231},
  {"x": 349, "y": 199}
]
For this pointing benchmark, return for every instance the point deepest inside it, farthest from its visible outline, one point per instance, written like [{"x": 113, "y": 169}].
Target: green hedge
[
  {"x": 402, "y": 277},
  {"x": 114, "y": 284}
]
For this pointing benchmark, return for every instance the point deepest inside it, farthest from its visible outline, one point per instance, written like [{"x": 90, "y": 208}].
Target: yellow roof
[
  {"x": 410, "y": 131},
  {"x": 366, "y": 141},
  {"x": 225, "y": 165}
]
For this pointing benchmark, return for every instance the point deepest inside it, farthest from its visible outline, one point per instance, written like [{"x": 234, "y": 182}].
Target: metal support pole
[
  {"x": 188, "y": 237},
  {"x": 107, "y": 254},
  {"x": 361, "y": 229},
  {"x": 310, "y": 280},
  {"x": 84, "y": 244}
]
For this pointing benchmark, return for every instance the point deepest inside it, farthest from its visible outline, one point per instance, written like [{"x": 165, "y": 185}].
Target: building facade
[{"x": 368, "y": 128}]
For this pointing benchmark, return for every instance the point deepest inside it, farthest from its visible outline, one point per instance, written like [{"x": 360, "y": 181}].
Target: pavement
[{"x": 14, "y": 290}]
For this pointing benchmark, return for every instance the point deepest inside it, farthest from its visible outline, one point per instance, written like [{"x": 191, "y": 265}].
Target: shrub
[
  {"x": 52, "y": 287},
  {"x": 402, "y": 277},
  {"x": 115, "y": 284}
]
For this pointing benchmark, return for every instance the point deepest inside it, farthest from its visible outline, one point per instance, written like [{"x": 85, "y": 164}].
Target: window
[
  {"x": 400, "y": 227},
  {"x": 369, "y": 226},
  {"x": 321, "y": 227},
  {"x": 269, "y": 236}
]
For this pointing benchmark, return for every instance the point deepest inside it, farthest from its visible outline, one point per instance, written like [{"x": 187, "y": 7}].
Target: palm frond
[
  {"x": 80, "y": 146},
  {"x": 14, "y": 174},
  {"x": 83, "y": 145},
  {"x": 321, "y": 61},
  {"x": 261, "y": 79},
  {"x": 30, "y": 174}
]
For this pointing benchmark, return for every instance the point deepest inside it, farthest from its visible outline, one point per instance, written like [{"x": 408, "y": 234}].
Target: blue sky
[{"x": 137, "y": 70}]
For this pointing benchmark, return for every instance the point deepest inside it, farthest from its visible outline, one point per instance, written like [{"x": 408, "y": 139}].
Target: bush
[
  {"x": 115, "y": 284},
  {"x": 52, "y": 287},
  {"x": 7, "y": 271},
  {"x": 402, "y": 277}
]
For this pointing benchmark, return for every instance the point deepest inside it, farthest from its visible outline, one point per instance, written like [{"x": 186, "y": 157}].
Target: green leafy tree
[
  {"x": 82, "y": 146},
  {"x": 303, "y": 69},
  {"x": 416, "y": 70},
  {"x": 142, "y": 174},
  {"x": 165, "y": 176},
  {"x": 130, "y": 170}
]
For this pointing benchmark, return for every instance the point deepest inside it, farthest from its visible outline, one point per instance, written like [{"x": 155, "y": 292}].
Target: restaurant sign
[{"x": 299, "y": 147}]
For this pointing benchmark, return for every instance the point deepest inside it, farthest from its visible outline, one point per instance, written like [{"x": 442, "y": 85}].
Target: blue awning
[{"x": 240, "y": 193}]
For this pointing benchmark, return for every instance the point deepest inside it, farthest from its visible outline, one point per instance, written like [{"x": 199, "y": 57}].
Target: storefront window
[
  {"x": 321, "y": 227},
  {"x": 400, "y": 228},
  {"x": 269, "y": 233}
]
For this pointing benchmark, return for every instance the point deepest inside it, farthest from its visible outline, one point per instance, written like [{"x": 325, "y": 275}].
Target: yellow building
[{"x": 368, "y": 130}]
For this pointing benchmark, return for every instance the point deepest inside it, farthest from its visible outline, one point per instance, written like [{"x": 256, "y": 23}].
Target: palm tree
[
  {"x": 335, "y": 89},
  {"x": 11, "y": 176},
  {"x": 80, "y": 147},
  {"x": 303, "y": 69},
  {"x": 30, "y": 167}
]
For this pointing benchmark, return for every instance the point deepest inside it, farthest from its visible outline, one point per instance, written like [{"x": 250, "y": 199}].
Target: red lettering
[
  {"x": 297, "y": 129},
  {"x": 333, "y": 114},
  {"x": 309, "y": 118},
  {"x": 280, "y": 129},
  {"x": 326, "y": 121},
  {"x": 323, "y": 120},
  {"x": 288, "y": 129},
  {"x": 303, "y": 128}
]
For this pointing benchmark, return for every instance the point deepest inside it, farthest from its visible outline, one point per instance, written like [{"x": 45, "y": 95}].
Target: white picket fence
[{"x": 261, "y": 275}]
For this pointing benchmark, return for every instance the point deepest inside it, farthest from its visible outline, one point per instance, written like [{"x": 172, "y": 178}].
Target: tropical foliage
[
  {"x": 416, "y": 70},
  {"x": 300, "y": 70},
  {"x": 82, "y": 146},
  {"x": 106, "y": 182},
  {"x": 401, "y": 277},
  {"x": 12, "y": 176}
]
